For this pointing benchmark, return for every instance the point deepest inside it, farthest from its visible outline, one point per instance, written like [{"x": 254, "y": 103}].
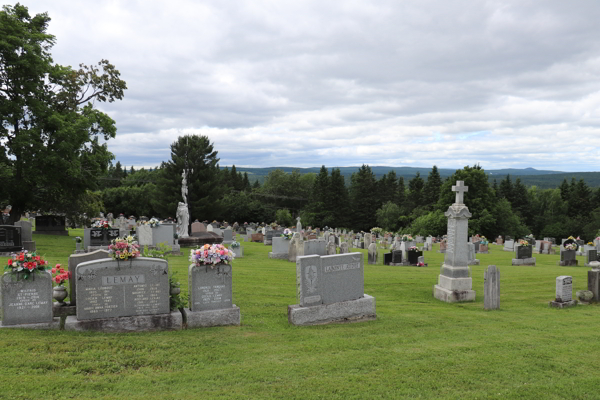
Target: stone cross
[{"x": 460, "y": 190}]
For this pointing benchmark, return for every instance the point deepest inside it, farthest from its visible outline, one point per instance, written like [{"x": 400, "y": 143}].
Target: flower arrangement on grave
[
  {"x": 524, "y": 242},
  {"x": 420, "y": 264},
  {"x": 124, "y": 248},
  {"x": 571, "y": 238},
  {"x": 571, "y": 246},
  {"x": 484, "y": 240},
  {"x": 101, "y": 224},
  {"x": 376, "y": 230},
  {"x": 590, "y": 243},
  {"x": 407, "y": 238},
  {"x": 413, "y": 248},
  {"x": 235, "y": 244},
  {"x": 153, "y": 222},
  {"x": 59, "y": 275},
  {"x": 287, "y": 234},
  {"x": 211, "y": 255},
  {"x": 25, "y": 263}
]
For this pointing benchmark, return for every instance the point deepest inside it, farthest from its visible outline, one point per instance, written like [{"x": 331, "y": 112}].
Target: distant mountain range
[{"x": 529, "y": 176}]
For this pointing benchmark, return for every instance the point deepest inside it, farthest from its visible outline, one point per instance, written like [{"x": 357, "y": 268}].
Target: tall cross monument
[{"x": 454, "y": 281}]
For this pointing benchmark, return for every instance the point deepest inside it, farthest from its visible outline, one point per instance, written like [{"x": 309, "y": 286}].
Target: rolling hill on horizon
[{"x": 544, "y": 179}]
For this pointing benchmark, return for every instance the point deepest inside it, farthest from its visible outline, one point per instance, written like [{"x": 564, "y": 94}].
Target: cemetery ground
[{"x": 418, "y": 347}]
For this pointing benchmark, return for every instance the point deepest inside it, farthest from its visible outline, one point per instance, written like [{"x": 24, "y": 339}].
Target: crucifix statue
[{"x": 460, "y": 190}]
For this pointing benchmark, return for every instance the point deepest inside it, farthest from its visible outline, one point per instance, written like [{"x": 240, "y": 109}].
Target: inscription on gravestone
[
  {"x": 27, "y": 302},
  {"x": 210, "y": 289},
  {"x": 109, "y": 288}
]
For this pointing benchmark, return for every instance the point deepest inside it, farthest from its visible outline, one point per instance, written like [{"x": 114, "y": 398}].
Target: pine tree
[
  {"x": 415, "y": 192},
  {"x": 401, "y": 194},
  {"x": 246, "y": 183},
  {"x": 337, "y": 201},
  {"x": 431, "y": 191},
  {"x": 363, "y": 198},
  {"x": 564, "y": 190}
]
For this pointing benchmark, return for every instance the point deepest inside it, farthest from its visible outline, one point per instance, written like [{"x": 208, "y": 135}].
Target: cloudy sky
[{"x": 507, "y": 84}]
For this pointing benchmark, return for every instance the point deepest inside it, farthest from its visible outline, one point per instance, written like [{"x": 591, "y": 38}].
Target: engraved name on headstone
[
  {"x": 210, "y": 288},
  {"x": 27, "y": 301}
]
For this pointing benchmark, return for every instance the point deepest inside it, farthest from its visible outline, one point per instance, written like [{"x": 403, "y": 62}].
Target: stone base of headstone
[
  {"x": 524, "y": 261},
  {"x": 205, "y": 319},
  {"x": 55, "y": 324},
  {"x": 453, "y": 296},
  {"x": 569, "y": 263},
  {"x": 175, "y": 250},
  {"x": 79, "y": 252},
  {"x": 358, "y": 310},
  {"x": 561, "y": 304},
  {"x": 136, "y": 323},
  {"x": 279, "y": 256},
  {"x": 63, "y": 311},
  {"x": 474, "y": 262},
  {"x": 94, "y": 248},
  {"x": 29, "y": 246},
  {"x": 265, "y": 242}
]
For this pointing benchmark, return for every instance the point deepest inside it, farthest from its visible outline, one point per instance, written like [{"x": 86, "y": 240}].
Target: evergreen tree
[
  {"x": 337, "y": 201},
  {"x": 415, "y": 192},
  {"x": 564, "y": 190},
  {"x": 505, "y": 189},
  {"x": 431, "y": 190},
  {"x": 401, "y": 194},
  {"x": 256, "y": 185},
  {"x": 362, "y": 198},
  {"x": 246, "y": 183}
]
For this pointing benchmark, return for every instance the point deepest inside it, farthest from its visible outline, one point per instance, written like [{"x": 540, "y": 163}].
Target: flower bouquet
[
  {"x": 376, "y": 230},
  {"x": 211, "y": 255},
  {"x": 234, "y": 244},
  {"x": 287, "y": 234},
  {"x": 101, "y": 224},
  {"x": 484, "y": 240},
  {"x": 571, "y": 246},
  {"x": 407, "y": 238},
  {"x": 523, "y": 242},
  {"x": 26, "y": 263},
  {"x": 124, "y": 248},
  {"x": 413, "y": 248},
  {"x": 61, "y": 276},
  {"x": 153, "y": 222}
]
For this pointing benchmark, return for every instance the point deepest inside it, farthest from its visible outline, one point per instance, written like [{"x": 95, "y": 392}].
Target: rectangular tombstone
[
  {"x": 387, "y": 258},
  {"x": 144, "y": 235},
  {"x": 162, "y": 234},
  {"x": 109, "y": 288},
  {"x": 594, "y": 283},
  {"x": 228, "y": 235},
  {"x": 281, "y": 245},
  {"x": 10, "y": 238},
  {"x": 257, "y": 237},
  {"x": 316, "y": 247},
  {"x": 26, "y": 230},
  {"x": 74, "y": 261},
  {"x": 568, "y": 255},
  {"x": 329, "y": 279},
  {"x": 210, "y": 288},
  {"x": 509, "y": 245},
  {"x": 26, "y": 301},
  {"x": 413, "y": 257},
  {"x": 491, "y": 288},
  {"x": 523, "y": 252},
  {"x": 397, "y": 256},
  {"x": 564, "y": 288},
  {"x": 50, "y": 223},
  {"x": 457, "y": 255},
  {"x": 591, "y": 256}
]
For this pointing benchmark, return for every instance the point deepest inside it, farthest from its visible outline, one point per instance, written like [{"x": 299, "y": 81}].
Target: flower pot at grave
[
  {"x": 59, "y": 293},
  {"x": 174, "y": 290}
]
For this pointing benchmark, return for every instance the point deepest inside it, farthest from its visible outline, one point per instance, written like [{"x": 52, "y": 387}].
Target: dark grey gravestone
[
  {"x": 53, "y": 224},
  {"x": 210, "y": 288},
  {"x": 27, "y": 301},
  {"x": 74, "y": 261},
  {"x": 413, "y": 257},
  {"x": 523, "y": 252},
  {"x": 594, "y": 283},
  {"x": 10, "y": 238},
  {"x": 329, "y": 279},
  {"x": 591, "y": 256},
  {"x": 111, "y": 288},
  {"x": 397, "y": 256}
]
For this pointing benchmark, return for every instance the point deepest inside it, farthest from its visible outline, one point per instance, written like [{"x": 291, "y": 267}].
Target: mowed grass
[{"x": 418, "y": 347}]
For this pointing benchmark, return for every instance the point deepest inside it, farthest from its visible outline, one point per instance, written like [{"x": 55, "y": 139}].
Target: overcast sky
[{"x": 507, "y": 84}]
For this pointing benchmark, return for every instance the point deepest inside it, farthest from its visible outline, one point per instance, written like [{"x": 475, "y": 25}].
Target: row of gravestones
[
  {"x": 134, "y": 295},
  {"x": 16, "y": 237}
]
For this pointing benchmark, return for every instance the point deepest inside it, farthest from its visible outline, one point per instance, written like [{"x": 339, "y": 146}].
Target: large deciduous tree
[{"x": 50, "y": 154}]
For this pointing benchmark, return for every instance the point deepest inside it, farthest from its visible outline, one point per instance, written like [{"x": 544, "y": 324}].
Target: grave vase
[{"x": 59, "y": 293}]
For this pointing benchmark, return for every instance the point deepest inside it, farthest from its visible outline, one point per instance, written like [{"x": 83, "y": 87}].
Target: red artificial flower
[{"x": 10, "y": 262}]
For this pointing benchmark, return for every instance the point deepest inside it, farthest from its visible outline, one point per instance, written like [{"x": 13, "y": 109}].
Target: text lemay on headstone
[{"x": 109, "y": 288}]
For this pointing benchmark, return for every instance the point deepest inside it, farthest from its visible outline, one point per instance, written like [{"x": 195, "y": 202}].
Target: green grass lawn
[{"x": 418, "y": 347}]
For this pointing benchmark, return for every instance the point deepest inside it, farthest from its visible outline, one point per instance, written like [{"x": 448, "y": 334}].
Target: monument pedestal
[
  {"x": 358, "y": 310},
  {"x": 454, "y": 285}
]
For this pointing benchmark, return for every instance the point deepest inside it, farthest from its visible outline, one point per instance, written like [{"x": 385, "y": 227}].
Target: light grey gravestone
[
  {"x": 454, "y": 281},
  {"x": 331, "y": 248},
  {"x": 344, "y": 248},
  {"x": 238, "y": 252},
  {"x": 211, "y": 296},
  {"x": 74, "y": 261},
  {"x": 144, "y": 235},
  {"x": 296, "y": 248},
  {"x": 228, "y": 235},
  {"x": 315, "y": 247},
  {"x": 509, "y": 245},
  {"x": 27, "y": 303},
  {"x": 162, "y": 234},
  {"x": 210, "y": 228},
  {"x": 368, "y": 240},
  {"x": 128, "y": 295},
  {"x": 331, "y": 289},
  {"x": 594, "y": 283},
  {"x": 491, "y": 288},
  {"x": 472, "y": 259},
  {"x": 564, "y": 292},
  {"x": 26, "y": 235},
  {"x": 280, "y": 248},
  {"x": 326, "y": 236},
  {"x": 372, "y": 254}
]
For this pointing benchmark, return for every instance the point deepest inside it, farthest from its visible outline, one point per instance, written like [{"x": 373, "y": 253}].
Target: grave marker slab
[
  {"x": 564, "y": 292},
  {"x": 491, "y": 288},
  {"x": 27, "y": 301}
]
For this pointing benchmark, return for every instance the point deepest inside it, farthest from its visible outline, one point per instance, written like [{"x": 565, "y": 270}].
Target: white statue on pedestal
[{"x": 183, "y": 220}]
